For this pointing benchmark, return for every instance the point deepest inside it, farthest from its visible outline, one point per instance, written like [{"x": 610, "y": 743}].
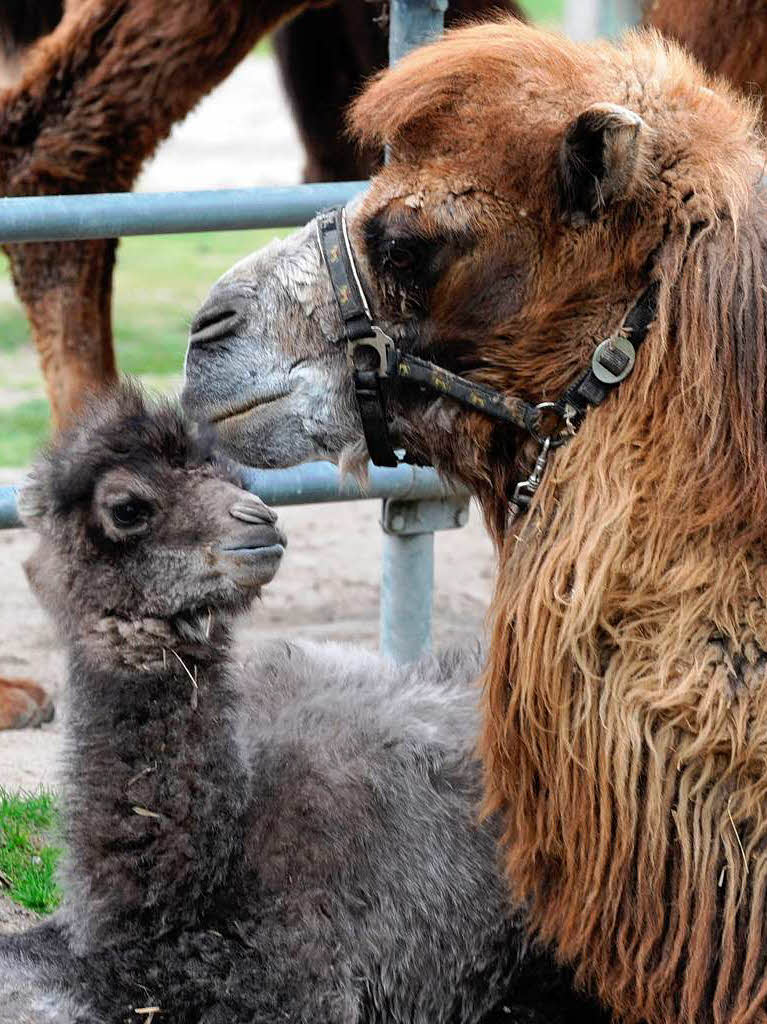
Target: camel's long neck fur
[
  {"x": 627, "y": 727},
  {"x": 153, "y": 769}
]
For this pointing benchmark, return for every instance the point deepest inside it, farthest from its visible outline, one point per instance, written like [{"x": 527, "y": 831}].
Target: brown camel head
[
  {"x": 137, "y": 519},
  {"x": 535, "y": 187}
]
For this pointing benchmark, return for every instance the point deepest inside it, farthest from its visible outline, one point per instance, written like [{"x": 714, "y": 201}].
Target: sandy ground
[
  {"x": 14, "y": 918},
  {"x": 328, "y": 586}
]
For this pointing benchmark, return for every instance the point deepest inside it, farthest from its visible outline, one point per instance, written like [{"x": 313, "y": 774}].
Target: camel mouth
[
  {"x": 252, "y": 566},
  {"x": 276, "y": 550},
  {"x": 246, "y": 408}
]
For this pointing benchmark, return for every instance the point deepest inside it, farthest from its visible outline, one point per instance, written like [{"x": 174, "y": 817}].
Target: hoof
[{"x": 23, "y": 704}]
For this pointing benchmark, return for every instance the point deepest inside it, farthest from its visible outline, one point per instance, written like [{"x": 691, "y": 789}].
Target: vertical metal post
[
  {"x": 413, "y": 23},
  {"x": 617, "y": 15},
  {"x": 587, "y": 19},
  {"x": 407, "y": 593},
  {"x": 407, "y": 570},
  {"x": 407, "y": 567}
]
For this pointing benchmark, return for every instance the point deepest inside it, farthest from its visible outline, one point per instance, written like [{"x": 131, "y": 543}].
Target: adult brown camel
[
  {"x": 541, "y": 197},
  {"x": 94, "y": 99}
]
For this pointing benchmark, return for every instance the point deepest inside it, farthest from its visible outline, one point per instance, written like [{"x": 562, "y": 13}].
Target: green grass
[
  {"x": 544, "y": 12},
  {"x": 23, "y": 429},
  {"x": 14, "y": 329},
  {"x": 28, "y": 856}
]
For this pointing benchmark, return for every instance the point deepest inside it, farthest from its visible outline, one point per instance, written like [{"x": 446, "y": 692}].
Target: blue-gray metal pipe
[
  {"x": 112, "y": 214},
  {"x": 321, "y": 481},
  {"x": 8, "y": 515},
  {"x": 313, "y": 482},
  {"x": 617, "y": 15},
  {"x": 413, "y": 23},
  {"x": 407, "y": 592},
  {"x": 407, "y": 570}
]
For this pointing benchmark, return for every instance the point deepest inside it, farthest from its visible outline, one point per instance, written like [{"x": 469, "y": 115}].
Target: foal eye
[{"x": 128, "y": 513}]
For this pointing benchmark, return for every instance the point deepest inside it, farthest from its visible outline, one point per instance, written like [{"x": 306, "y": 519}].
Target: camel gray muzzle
[{"x": 260, "y": 367}]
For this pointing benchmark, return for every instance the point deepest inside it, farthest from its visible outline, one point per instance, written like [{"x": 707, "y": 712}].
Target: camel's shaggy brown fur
[{"x": 627, "y": 725}]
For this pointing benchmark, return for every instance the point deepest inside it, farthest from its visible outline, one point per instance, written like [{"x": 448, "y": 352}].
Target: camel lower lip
[
  {"x": 244, "y": 410},
  {"x": 267, "y": 549}
]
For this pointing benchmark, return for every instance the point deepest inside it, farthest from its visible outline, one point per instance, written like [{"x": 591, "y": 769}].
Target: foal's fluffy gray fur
[{"x": 292, "y": 840}]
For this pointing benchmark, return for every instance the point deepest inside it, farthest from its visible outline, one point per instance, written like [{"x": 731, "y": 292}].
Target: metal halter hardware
[{"x": 612, "y": 361}]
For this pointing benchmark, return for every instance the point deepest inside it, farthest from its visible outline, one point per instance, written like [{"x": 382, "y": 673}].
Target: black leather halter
[
  {"x": 612, "y": 361},
  {"x": 366, "y": 342}
]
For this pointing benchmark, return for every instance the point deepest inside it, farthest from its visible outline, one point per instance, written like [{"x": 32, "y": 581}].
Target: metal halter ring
[{"x": 555, "y": 441}]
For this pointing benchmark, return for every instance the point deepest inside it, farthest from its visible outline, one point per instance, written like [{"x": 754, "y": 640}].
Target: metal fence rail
[{"x": 112, "y": 214}]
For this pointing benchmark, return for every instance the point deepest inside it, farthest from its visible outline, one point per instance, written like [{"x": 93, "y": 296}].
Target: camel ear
[{"x": 598, "y": 160}]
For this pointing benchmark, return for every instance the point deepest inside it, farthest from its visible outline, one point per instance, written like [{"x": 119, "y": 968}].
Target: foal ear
[{"x": 598, "y": 160}]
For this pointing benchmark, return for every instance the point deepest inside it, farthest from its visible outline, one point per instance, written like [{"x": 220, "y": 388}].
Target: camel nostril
[
  {"x": 251, "y": 509},
  {"x": 219, "y": 316}
]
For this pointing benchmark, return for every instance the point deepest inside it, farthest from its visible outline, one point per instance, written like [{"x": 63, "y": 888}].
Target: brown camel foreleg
[{"x": 66, "y": 288}]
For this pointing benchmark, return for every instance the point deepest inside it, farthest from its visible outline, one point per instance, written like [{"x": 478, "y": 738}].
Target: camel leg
[
  {"x": 67, "y": 290},
  {"x": 324, "y": 57},
  {"x": 23, "y": 704}
]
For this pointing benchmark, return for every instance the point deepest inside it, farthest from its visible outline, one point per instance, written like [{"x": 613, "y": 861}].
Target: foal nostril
[{"x": 219, "y": 316}]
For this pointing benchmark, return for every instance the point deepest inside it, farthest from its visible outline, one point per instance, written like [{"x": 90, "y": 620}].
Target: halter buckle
[{"x": 380, "y": 343}]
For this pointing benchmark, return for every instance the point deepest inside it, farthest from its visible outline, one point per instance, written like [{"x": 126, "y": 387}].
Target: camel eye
[
  {"x": 130, "y": 512},
  {"x": 400, "y": 255}
]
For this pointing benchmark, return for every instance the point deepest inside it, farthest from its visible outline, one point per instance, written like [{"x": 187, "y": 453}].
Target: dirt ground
[{"x": 14, "y": 918}]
